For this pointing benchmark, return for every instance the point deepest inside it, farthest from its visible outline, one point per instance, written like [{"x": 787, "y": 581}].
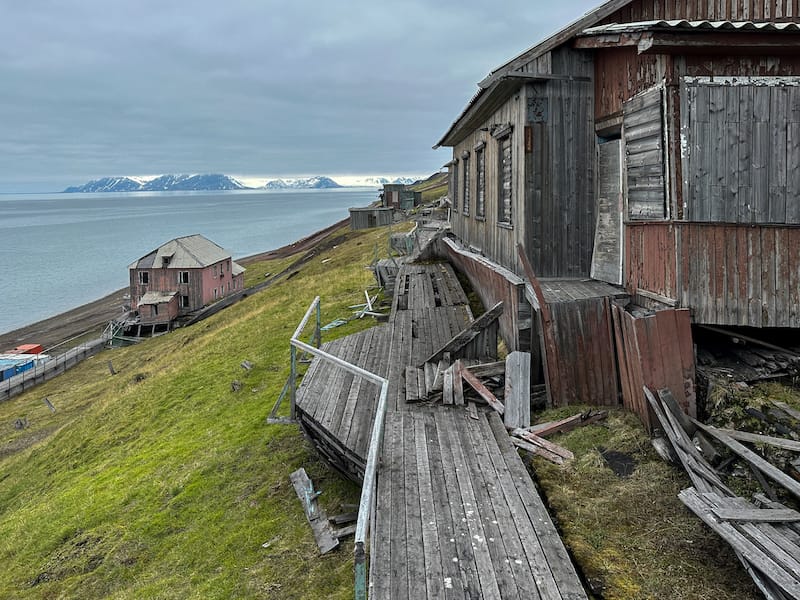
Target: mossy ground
[{"x": 162, "y": 482}]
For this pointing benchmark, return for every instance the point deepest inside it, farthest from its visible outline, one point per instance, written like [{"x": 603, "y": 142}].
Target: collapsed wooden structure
[{"x": 449, "y": 481}]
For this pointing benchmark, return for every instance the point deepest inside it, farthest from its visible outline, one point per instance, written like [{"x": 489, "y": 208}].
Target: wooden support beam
[{"x": 483, "y": 391}]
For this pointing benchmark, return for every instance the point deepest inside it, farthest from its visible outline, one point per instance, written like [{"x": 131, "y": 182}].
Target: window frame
[
  {"x": 480, "y": 181},
  {"x": 181, "y": 279},
  {"x": 503, "y": 134}
]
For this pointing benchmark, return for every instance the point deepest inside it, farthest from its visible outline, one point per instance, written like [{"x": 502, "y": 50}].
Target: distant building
[
  {"x": 397, "y": 196},
  {"x": 181, "y": 276}
]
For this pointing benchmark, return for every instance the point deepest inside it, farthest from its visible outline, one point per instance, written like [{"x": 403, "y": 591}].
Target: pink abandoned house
[{"x": 180, "y": 277}]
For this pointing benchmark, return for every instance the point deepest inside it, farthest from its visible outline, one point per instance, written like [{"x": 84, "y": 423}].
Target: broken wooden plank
[
  {"x": 793, "y": 413},
  {"x": 344, "y": 532},
  {"x": 756, "y": 438},
  {"x": 542, "y": 443},
  {"x": 517, "y": 397},
  {"x": 447, "y": 386},
  {"x": 473, "y": 330},
  {"x": 757, "y": 515},
  {"x": 458, "y": 385},
  {"x": 483, "y": 391},
  {"x": 537, "y": 450},
  {"x": 488, "y": 369},
  {"x": 568, "y": 424},
  {"x": 326, "y": 540},
  {"x": 472, "y": 410},
  {"x": 344, "y": 518},
  {"x": 754, "y": 459}
]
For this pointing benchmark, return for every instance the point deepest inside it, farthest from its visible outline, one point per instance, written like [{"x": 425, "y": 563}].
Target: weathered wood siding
[
  {"x": 483, "y": 232},
  {"x": 607, "y": 253},
  {"x": 712, "y": 10},
  {"x": 620, "y": 74},
  {"x": 586, "y": 361},
  {"x": 364, "y": 218},
  {"x": 741, "y": 149},
  {"x": 655, "y": 351},
  {"x": 560, "y": 170},
  {"x": 642, "y": 132},
  {"x": 727, "y": 274}
]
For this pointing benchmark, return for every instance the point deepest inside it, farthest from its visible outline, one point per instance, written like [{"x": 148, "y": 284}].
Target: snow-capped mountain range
[{"x": 215, "y": 181}]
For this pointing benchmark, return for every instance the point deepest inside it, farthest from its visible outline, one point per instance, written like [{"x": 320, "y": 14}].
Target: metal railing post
[{"x": 292, "y": 381}]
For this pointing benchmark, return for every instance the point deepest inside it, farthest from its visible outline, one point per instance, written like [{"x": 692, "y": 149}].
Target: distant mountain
[
  {"x": 381, "y": 181},
  {"x": 311, "y": 183},
  {"x": 163, "y": 183}
]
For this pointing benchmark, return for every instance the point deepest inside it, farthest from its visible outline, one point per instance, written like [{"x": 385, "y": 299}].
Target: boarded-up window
[
  {"x": 504, "y": 204},
  {"x": 642, "y": 132},
  {"x": 741, "y": 149},
  {"x": 480, "y": 191},
  {"x": 454, "y": 185},
  {"x": 465, "y": 196},
  {"x": 607, "y": 252}
]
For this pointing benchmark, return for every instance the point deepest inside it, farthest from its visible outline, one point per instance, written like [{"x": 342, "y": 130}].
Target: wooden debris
[
  {"x": 488, "y": 369},
  {"x": 472, "y": 410},
  {"x": 247, "y": 365},
  {"x": 462, "y": 339},
  {"x": 344, "y": 532},
  {"x": 49, "y": 405},
  {"x": 538, "y": 451},
  {"x": 447, "y": 389},
  {"x": 344, "y": 518},
  {"x": 534, "y": 439},
  {"x": 517, "y": 399},
  {"x": 111, "y": 368},
  {"x": 757, "y": 515},
  {"x": 568, "y": 424},
  {"x": 482, "y": 390},
  {"x": 458, "y": 385},
  {"x": 756, "y": 438},
  {"x": 326, "y": 540}
]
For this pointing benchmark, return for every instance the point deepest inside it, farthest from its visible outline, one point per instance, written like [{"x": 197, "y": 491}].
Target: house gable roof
[{"x": 189, "y": 252}]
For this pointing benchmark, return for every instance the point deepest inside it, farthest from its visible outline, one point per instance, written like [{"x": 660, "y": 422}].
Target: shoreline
[{"x": 94, "y": 316}]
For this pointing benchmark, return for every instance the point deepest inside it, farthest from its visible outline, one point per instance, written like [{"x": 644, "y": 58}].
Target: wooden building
[
  {"x": 650, "y": 145},
  {"x": 181, "y": 276},
  {"x": 370, "y": 216},
  {"x": 398, "y": 196}
]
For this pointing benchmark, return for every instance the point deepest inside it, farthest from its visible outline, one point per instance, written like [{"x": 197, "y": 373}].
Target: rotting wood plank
[
  {"x": 304, "y": 488},
  {"x": 754, "y": 459},
  {"x": 452, "y": 577},
  {"x": 463, "y": 541},
  {"x": 517, "y": 399},
  {"x": 458, "y": 385},
  {"x": 431, "y": 552},
  {"x": 447, "y": 390},
  {"x": 414, "y": 559},
  {"x": 534, "y": 439},
  {"x": 537, "y": 451},
  {"x": 488, "y": 511},
  {"x": 487, "y": 576},
  {"x": 757, "y": 515},
  {"x": 482, "y": 390},
  {"x": 380, "y": 555},
  {"x": 568, "y": 424},
  {"x": 397, "y": 539},
  {"x": 546, "y": 554},
  {"x": 745, "y": 436}
]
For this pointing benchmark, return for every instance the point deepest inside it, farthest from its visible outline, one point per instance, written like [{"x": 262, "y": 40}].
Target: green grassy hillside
[{"x": 162, "y": 482}]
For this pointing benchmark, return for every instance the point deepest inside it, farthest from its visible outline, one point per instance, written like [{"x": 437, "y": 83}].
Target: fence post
[
  {"x": 293, "y": 381},
  {"x": 318, "y": 330}
]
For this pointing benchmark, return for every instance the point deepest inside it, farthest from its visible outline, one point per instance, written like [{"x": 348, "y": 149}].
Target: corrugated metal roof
[
  {"x": 236, "y": 269},
  {"x": 683, "y": 25},
  {"x": 189, "y": 252},
  {"x": 157, "y": 297}
]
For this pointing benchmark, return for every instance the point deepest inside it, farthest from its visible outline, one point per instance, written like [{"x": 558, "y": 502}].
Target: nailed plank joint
[{"x": 326, "y": 540}]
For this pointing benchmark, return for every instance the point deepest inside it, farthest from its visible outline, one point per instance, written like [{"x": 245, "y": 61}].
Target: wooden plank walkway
[
  {"x": 456, "y": 515},
  {"x": 459, "y": 517},
  {"x": 337, "y": 409}
]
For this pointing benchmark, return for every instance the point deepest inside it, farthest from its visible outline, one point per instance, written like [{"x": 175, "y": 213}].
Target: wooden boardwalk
[{"x": 457, "y": 515}]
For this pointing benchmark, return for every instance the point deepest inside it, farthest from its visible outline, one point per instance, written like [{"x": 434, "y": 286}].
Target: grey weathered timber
[
  {"x": 459, "y": 341},
  {"x": 316, "y": 516},
  {"x": 517, "y": 399},
  {"x": 644, "y": 146},
  {"x": 607, "y": 252}
]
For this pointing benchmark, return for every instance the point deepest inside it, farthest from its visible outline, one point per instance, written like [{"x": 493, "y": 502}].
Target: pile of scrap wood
[
  {"x": 764, "y": 533},
  {"x": 741, "y": 357}
]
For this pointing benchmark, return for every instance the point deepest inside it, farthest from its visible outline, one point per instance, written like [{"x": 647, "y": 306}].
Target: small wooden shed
[{"x": 370, "y": 216}]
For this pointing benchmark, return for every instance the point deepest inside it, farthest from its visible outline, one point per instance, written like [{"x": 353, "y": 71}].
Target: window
[
  {"x": 154, "y": 311},
  {"x": 454, "y": 189},
  {"x": 184, "y": 301},
  {"x": 216, "y": 293},
  {"x": 183, "y": 277},
  {"x": 465, "y": 195},
  {"x": 215, "y": 270},
  {"x": 144, "y": 277},
  {"x": 480, "y": 181},
  {"x": 504, "y": 172}
]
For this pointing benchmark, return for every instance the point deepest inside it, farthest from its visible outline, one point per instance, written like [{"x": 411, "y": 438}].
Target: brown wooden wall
[
  {"x": 585, "y": 359},
  {"x": 726, "y": 274},
  {"x": 620, "y": 74},
  {"x": 712, "y": 10}
]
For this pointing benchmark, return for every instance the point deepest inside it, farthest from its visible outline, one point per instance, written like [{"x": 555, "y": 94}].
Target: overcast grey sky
[{"x": 247, "y": 87}]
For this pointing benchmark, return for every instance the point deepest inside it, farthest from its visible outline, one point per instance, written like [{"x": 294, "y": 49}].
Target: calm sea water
[{"x": 58, "y": 251}]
